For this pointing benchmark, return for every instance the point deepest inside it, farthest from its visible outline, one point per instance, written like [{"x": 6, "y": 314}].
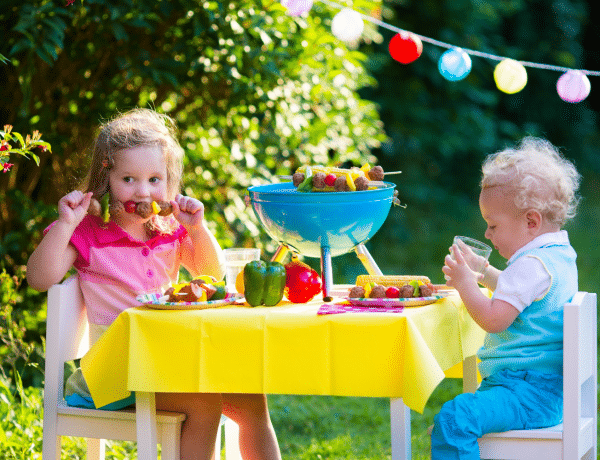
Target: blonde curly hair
[
  {"x": 138, "y": 127},
  {"x": 542, "y": 178}
]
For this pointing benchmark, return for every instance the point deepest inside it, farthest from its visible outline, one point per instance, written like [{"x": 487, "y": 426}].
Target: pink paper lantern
[
  {"x": 573, "y": 86},
  {"x": 297, "y": 7}
]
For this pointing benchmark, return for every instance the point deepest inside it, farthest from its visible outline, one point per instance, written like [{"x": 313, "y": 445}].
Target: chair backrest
[
  {"x": 579, "y": 368},
  {"x": 67, "y": 332}
]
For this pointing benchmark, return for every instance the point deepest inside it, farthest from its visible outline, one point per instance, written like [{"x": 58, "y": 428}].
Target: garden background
[{"x": 257, "y": 93}]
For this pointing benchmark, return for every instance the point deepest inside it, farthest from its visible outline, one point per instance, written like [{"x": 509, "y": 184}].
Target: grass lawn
[{"x": 327, "y": 427}]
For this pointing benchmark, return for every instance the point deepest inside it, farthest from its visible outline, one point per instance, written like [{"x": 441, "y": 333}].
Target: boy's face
[{"x": 507, "y": 226}]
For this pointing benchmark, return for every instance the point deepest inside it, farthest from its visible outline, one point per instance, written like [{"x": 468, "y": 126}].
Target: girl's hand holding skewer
[
  {"x": 188, "y": 211},
  {"x": 73, "y": 207}
]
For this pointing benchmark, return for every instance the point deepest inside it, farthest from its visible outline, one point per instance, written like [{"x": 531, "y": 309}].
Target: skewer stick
[
  {"x": 288, "y": 178},
  {"x": 371, "y": 183}
]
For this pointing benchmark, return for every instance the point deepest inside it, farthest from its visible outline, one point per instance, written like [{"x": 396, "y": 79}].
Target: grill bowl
[{"x": 306, "y": 222}]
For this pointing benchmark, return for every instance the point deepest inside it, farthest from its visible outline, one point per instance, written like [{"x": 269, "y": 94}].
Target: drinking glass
[
  {"x": 235, "y": 260},
  {"x": 474, "y": 252}
]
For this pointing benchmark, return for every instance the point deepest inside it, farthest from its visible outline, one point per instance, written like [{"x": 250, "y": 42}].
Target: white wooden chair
[
  {"x": 67, "y": 338},
  {"x": 576, "y": 437}
]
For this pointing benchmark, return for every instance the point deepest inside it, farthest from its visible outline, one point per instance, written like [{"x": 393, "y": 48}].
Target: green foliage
[
  {"x": 24, "y": 147},
  {"x": 256, "y": 92},
  {"x": 21, "y": 416},
  {"x": 251, "y": 96},
  {"x": 21, "y": 335}
]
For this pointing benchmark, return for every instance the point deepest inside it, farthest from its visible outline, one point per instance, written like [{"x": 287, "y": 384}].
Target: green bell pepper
[{"x": 264, "y": 283}]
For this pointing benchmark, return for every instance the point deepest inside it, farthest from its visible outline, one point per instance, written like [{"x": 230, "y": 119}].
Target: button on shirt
[{"x": 114, "y": 267}]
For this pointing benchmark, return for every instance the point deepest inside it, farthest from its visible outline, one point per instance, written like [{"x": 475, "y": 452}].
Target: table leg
[
  {"x": 145, "y": 415},
  {"x": 400, "y": 424},
  {"x": 470, "y": 374}
]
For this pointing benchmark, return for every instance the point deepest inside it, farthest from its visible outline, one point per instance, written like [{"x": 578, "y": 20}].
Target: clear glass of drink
[
  {"x": 235, "y": 261},
  {"x": 474, "y": 252}
]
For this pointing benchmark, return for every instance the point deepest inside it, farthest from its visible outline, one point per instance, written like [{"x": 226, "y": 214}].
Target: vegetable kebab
[
  {"x": 329, "y": 179},
  {"x": 104, "y": 209}
]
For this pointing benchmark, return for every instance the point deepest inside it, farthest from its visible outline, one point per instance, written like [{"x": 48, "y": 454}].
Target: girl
[
  {"x": 527, "y": 195},
  {"x": 136, "y": 158}
]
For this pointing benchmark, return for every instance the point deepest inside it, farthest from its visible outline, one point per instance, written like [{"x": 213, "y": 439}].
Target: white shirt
[{"x": 527, "y": 279}]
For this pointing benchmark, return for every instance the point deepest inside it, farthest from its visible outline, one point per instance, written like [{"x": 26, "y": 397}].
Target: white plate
[
  {"x": 402, "y": 302},
  {"x": 152, "y": 301}
]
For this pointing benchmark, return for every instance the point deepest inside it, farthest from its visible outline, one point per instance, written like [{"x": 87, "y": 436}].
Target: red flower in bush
[{"x": 6, "y": 167}]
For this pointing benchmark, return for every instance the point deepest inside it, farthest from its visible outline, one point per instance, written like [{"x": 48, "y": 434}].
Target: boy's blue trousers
[{"x": 507, "y": 400}]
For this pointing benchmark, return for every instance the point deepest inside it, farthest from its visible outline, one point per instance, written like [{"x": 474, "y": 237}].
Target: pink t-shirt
[{"x": 114, "y": 267}]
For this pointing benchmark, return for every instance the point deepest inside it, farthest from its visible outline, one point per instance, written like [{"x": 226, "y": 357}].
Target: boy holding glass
[{"x": 527, "y": 195}]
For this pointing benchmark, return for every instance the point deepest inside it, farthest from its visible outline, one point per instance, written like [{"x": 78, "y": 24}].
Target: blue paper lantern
[{"x": 454, "y": 64}]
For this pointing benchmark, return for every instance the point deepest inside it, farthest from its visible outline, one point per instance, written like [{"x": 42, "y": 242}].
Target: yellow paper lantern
[{"x": 510, "y": 76}]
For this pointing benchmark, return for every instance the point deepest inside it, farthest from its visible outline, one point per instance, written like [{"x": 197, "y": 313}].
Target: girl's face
[
  {"x": 507, "y": 226},
  {"x": 139, "y": 174}
]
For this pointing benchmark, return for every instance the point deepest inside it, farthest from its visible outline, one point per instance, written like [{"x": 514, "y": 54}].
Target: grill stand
[{"x": 326, "y": 271}]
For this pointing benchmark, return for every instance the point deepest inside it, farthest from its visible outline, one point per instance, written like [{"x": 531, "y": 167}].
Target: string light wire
[{"x": 593, "y": 73}]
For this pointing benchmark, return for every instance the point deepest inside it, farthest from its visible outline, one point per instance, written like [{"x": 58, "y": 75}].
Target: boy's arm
[
  {"x": 490, "y": 277},
  {"x": 491, "y": 315}
]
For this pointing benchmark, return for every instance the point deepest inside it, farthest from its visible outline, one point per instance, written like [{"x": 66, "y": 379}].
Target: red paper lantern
[{"x": 405, "y": 47}]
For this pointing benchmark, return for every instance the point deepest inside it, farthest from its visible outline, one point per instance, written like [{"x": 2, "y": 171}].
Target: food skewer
[
  {"x": 376, "y": 183},
  {"x": 371, "y": 183},
  {"x": 320, "y": 178}
]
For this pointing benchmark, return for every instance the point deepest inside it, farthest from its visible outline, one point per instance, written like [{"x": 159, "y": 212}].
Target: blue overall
[{"x": 521, "y": 366}]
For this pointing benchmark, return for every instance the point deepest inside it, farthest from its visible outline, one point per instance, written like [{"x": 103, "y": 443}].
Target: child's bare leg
[
  {"x": 199, "y": 430},
  {"x": 257, "y": 436}
]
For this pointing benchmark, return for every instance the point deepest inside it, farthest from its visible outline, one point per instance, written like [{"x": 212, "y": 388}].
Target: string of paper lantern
[{"x": 454, "y": 64}]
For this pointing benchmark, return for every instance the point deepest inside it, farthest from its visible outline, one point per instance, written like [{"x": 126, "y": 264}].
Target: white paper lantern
[
  {"x": 573, "y": 86},
  {"x": 347, "y": 25}
]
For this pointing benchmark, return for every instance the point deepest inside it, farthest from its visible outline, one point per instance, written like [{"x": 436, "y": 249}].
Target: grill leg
[
  {"x": 326, "y": 273},
  {"x": 367, "y": 260}
]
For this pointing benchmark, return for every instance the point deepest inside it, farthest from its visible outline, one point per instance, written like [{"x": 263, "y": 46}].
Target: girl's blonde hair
[
  {"x": 138, "y": 127},
  {"x": 542, "y": 178}
]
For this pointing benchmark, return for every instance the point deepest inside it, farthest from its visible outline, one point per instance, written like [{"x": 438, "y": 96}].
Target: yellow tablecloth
[{"x": 282, "y": 350}]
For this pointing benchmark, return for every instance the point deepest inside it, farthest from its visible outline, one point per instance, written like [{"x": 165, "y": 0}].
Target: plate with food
[
  {"x": 155, "y": 302},
  {"x": 391, "y": 302},
  {"x": 393, "y": 291},
  {"x": 199, "y": 293}
]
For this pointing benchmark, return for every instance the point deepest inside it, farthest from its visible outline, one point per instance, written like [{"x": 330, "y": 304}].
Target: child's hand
[
  {"x": 457, "y": 271},
  {"x": 189, "y": 212},
  {"x": 73, "y": 207},
  {"x": 474, "y": 261}
]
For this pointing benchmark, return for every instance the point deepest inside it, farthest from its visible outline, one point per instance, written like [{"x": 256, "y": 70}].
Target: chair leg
[
  {"x": 170, "y": 445},
  {"x": 96, "y": 449},
  {"x": 232, "y": 440},
  {"x": 50, "y": 446}
]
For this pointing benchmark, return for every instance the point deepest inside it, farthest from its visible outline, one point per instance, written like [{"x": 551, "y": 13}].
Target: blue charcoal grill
[{"x": 322, "y": 224}]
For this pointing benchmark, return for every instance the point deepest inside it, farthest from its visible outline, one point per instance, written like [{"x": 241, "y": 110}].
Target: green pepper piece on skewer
[
  {"x": 104, "y": 208},
  {"x": 415, "y": 284},
  {"x": 306, "y": 184}
]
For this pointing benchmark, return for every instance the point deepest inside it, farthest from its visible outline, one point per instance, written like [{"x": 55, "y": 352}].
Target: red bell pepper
[{"x": 302, "y": 283}]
